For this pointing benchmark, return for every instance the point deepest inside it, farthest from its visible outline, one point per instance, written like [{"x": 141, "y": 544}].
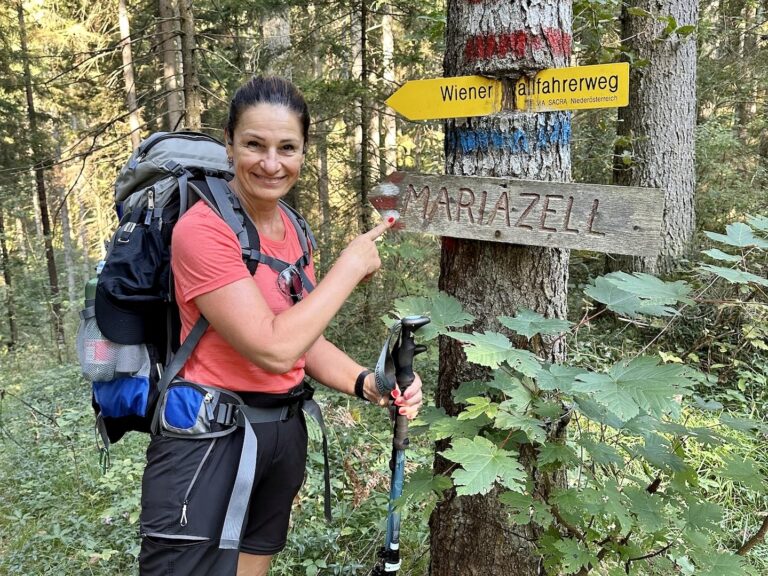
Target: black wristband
[{"x": 359, "y": 385}]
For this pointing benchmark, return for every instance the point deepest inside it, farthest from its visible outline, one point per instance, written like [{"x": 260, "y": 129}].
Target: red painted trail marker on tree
[{"x": 613, "y": 219}]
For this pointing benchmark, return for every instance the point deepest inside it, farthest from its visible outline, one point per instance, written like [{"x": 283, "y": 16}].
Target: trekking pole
[{"x": 401, "y": 358}]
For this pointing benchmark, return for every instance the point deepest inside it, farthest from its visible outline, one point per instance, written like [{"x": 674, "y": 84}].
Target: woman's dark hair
[{"x": 268, "y": 90}]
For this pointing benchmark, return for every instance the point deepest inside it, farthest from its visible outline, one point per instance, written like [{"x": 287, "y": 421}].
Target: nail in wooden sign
[{"x": 611, "y": 219}]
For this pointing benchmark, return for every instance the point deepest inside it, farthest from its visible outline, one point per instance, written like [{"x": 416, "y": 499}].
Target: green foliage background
[{"x": 695, "y": 417}]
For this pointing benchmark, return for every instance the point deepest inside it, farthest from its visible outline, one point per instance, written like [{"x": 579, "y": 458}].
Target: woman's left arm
[{"x": 333, "y": 368}]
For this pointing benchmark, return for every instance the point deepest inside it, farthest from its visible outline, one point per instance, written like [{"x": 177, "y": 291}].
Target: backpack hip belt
[{"x": 228, "y": 410}]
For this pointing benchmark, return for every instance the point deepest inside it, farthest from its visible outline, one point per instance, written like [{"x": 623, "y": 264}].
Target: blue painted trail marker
[{"x": 611, "y": 219}]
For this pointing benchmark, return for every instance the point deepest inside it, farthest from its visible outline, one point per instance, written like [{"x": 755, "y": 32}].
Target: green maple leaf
[
  {"x": 556, "y": 455},
  {"x": 721, "y": 564},
  {"x": 648, "y": 508},
  {"x": 529, "y": 323},
  {"x": 702, "y": 515},
  {"x": 660, "y": 453},
  {"x": 716, "y": 254},
  {"x": 486, "y": 349},
  {"x": 444, "y": 311},
  {"x": 600, "y": 452},
  {"x": 492, "y": 349},
  {"x": 734, "y": 275},
  {"x": 651, "y": 288},
  {"x": 759, "y": 222},
  {"x": 478, "y": 406},
  {"x": 640, "y": 384},
  {"x": 482, "y": 465},
  {"x": 469, "y": 390},
  {"x": 423, "y": 482},
  {"x": 532, "y": 427},
  {"x": 624, "y": 303},
  {"x": 519, "y": 506},
  {"x": 740, "y": 235},
  {"x": 573, "y": 555},
  {"x": 438, "y": 425},
  {"x": 558, "y": 377},
  {"x": 516, "y": 394},
  {"x": 744, "y": 470}
]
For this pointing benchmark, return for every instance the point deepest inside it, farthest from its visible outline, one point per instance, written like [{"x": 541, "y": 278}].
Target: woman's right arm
[{"x": 239, "y": 313}]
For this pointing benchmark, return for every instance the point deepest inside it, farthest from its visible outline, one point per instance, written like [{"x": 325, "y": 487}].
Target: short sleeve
[{"x": 205, "y": 254}]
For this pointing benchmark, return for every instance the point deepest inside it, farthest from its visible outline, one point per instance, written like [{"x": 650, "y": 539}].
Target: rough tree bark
[
  {"x": 192, "y": 101},
  {"x": 169, "y": 49},
  {"x": 472, "y": 535},
  {"x": 39, "y": 169},
  {"x": 388, "y": 145},
  {"x": 656, "y": 131},
  {"x": 134, "y": 114}
]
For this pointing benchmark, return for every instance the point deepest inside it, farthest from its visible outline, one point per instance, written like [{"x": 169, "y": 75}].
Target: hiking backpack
[{"x": 128, "y": 340}]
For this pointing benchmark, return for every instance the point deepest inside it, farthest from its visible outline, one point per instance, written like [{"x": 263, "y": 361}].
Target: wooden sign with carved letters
[{"x": 612, "y": 219}]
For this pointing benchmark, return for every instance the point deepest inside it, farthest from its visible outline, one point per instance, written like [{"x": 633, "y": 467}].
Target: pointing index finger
[{"x": 382, "y": 227}]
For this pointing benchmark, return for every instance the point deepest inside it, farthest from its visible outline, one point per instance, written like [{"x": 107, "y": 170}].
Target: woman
[{"x": 260, "y": 345}]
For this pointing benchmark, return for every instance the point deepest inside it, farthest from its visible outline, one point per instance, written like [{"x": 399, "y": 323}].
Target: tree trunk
[
  {"x": 388, "y": 123},
  {"x": 365, "y": 121},
  {"x": 10, "y": 306},
  {"x": 53, "y": 282},
  {"x": 169, "y": 49},
  {"x": 656, "y": 130},
  {"x": 276, "y": 47},
  {"x": 134, "y": 115},
  {"x": 192, "y": 102},
  {"x": 473, "y": 535}
]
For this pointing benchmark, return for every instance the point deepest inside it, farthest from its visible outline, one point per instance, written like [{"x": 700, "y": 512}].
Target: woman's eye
[
  {"x": 289, "y": 148},
  {"x": 254, "y": 144}
]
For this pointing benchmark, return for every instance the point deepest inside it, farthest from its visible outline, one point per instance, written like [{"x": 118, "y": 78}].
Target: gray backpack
[{"x": 128, "y": 340}]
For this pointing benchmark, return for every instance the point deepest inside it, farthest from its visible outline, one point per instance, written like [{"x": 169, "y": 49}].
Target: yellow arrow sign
[
  {"x": 447, "y": 98},
  {"x": 579, "y": 87}
]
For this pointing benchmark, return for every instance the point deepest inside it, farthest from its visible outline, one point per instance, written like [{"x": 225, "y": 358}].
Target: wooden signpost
[{"x": 613, "y": 219}]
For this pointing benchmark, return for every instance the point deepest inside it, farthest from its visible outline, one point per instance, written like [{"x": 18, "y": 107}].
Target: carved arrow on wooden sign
[{"x": 612, "y": 219}]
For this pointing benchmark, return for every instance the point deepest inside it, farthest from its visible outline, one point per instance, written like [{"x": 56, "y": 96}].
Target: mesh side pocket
[{"x": 101, "y": 359}]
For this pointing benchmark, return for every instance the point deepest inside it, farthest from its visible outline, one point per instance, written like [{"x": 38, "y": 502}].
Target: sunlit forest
[{"x": 595, "y": 414}]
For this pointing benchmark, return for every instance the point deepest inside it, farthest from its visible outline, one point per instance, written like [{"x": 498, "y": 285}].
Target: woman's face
[{"x": 267, "y": 151}]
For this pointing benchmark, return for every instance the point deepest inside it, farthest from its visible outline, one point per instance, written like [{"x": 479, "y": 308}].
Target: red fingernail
[
  {"x": 402, "y": 411},
  {"x": 391, "y": 219},
  {"x": 399, "y": 402},
  {"x": 395, "y": 393}
]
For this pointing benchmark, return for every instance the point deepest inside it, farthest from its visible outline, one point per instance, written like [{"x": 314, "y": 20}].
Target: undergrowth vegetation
[{"x": 664, "y": 397}]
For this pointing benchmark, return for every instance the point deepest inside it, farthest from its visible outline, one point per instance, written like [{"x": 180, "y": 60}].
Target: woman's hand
[
  {"x": 408, "y": 403},
  {"x": 362, "y": 253}
]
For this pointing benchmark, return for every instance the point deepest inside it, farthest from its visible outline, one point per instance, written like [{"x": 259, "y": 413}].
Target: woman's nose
[{"x": 269, "y": 162}]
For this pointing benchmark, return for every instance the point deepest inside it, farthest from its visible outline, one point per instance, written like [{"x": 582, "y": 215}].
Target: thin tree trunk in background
[
  {"x": 134, "y": 115},
  {"x": 169, "y": 49},
  {"x": 69, "y": 258},
  {"x": 388, "y": 120},
  {"x": 365, "y": 121},
  {"x": 746, "y": 105},
  {"x": 276, "y": 47},
  {"x": 320, "y": 140},
  {"x": 53, "y": 282},
  {"x": 473, "y": 536},
  {"x": 656, "y": 144},
  {"x": 10, "y": 306},
  {"x": 192, "y": 101},
  {"x": 88, "y": 270}
]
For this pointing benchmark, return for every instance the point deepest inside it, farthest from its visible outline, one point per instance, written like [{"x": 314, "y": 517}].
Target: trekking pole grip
[{"x": 403, "y": 355}]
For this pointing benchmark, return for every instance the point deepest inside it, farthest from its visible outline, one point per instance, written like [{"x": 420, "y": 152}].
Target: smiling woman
[{"x": 265, "y": 335}]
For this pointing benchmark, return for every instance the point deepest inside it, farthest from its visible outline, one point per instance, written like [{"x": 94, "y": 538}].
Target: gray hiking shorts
[{"x": 186, "y": 488}]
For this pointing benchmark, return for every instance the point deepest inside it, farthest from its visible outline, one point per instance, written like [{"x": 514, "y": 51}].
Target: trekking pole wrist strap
[{"x": 360, "y": 383}]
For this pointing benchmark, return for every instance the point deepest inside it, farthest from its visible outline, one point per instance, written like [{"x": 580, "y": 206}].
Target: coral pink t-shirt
[{"x": 206, "y": 255}]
